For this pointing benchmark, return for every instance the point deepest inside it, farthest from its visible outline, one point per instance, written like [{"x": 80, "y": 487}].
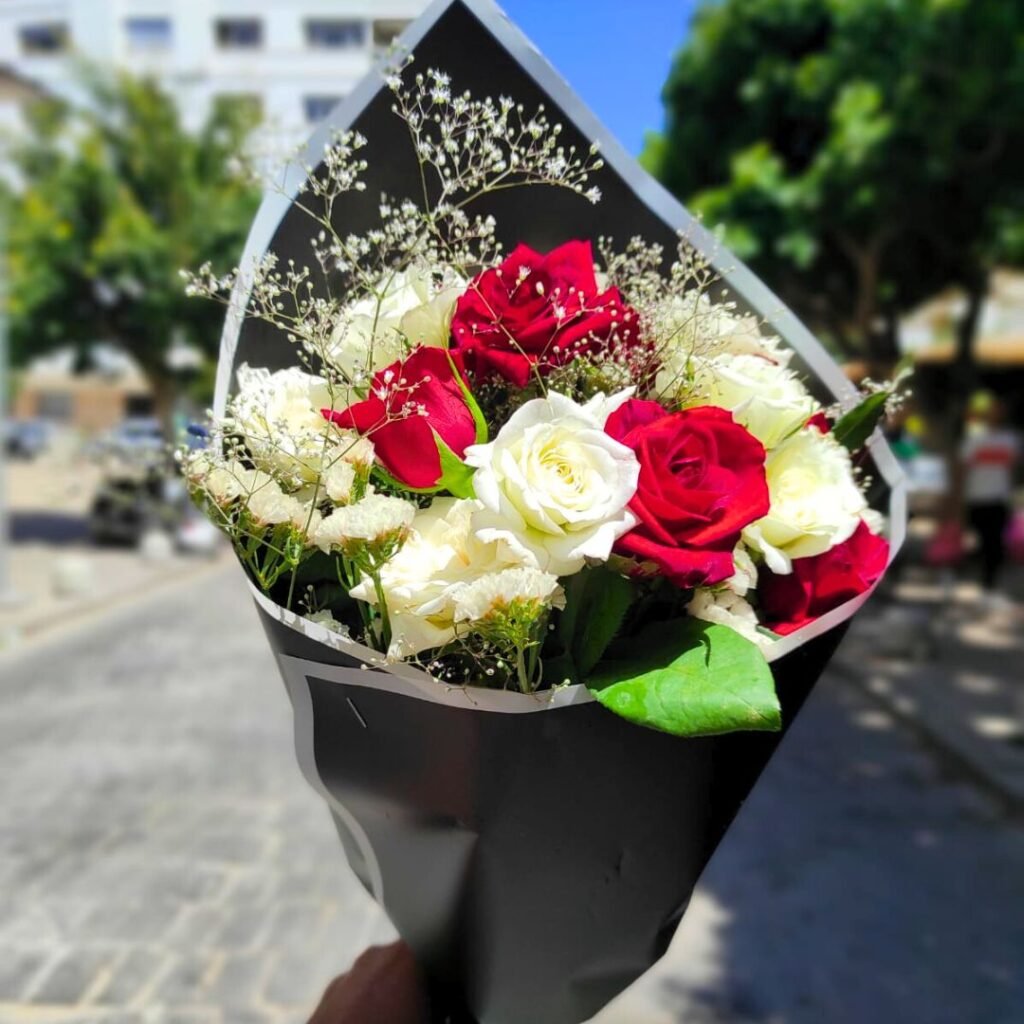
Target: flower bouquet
[{"x": 550, "y": 512}]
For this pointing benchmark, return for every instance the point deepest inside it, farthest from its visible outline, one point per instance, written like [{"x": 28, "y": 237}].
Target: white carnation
[
  {"x": 495, "y": 591},
  {"x": 375, "y": 519},
  {"x": 815, "y": 500},
  {"x": 279, "y": 416},
  {"x": 339, "y": 481},
  {"x": 225, "y": 481},
  {"x": 307, "y": 519},
  {"x": 553, "y": 485},
  {"x": 421, "y": 581},
  {"x": 724, "y": 607},
  {"x": 374, "y": 332},
  {"x": 268, "y": 505}
]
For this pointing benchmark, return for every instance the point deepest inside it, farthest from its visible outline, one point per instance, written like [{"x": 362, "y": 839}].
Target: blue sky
[{"x": 615, "y": 53}]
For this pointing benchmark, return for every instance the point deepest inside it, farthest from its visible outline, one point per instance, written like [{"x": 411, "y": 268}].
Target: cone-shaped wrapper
[{"x": 538, "y": 852}]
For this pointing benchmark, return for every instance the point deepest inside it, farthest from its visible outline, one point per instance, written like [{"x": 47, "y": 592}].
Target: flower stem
[
  {"x": 524, "y": 675},
  {"x": 385, "y": 622}
]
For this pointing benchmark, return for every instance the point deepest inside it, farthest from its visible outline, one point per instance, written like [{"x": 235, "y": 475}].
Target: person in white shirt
[{"x": 988, "y": 456}]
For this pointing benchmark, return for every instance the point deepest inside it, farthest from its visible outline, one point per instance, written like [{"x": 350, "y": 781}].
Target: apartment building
[{"x": 293, "y": 59}]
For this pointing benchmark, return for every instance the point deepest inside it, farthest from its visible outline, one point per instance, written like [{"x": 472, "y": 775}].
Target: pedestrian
[{"x": 989, "y": 455}]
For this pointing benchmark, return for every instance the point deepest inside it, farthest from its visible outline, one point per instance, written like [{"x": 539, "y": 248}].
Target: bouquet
[{"x": 474, "y": 474}]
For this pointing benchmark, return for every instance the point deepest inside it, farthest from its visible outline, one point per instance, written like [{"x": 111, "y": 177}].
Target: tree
[
  {"x": 860, "y": 155},
  {"x": 117, "y": 198}
]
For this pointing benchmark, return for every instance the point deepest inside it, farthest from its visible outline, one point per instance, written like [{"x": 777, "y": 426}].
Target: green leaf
[
  {"x": 596, "y": 601},
  {"x": 456, "y": 477},
  {"x": 859, "y": 424},
  {"x": 691, "y": 678},
  {"x": 471, "y": 403}
]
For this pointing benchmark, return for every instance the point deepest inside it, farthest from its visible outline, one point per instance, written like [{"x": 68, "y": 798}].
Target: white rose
[
  {"x": 744, "y": 577},
  {"x": 691, "y": 325},
  {"x": 278, "y": 415},
  {"x": 553, "y": 485},
  {"x": 724, "y": 607},
  {"x": 765, "y": 397},
  {"x": 375, "y": 331},
  {"x": 815, "y": 500},
  {"x": 421, "y": 581}
]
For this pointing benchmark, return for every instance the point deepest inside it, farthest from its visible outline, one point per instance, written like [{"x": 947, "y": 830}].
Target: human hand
[{"x": 384, "y": 986}]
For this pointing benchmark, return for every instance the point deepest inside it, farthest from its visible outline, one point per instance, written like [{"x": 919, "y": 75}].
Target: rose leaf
[
  {"x": 456, "y": 477},
  {"x": 596, "y": 603},
  {"x": 859, "y": 423},
  {"x": 690, "y": 678}
]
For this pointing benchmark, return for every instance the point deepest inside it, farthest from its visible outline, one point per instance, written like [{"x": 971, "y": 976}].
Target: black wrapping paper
[{"x": 537, "y": 863}]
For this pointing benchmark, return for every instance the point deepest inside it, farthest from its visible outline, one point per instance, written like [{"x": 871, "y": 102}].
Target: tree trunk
[
  {"x": 964, "y": 369},
  {"x": 165, "y": 393},
  {"x": 866, "y": 259}
]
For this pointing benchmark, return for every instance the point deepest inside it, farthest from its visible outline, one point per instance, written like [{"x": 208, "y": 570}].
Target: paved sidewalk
[
  {"x": 58, "y": 575},
  {"x": 163, "y": 862},
  {"x": 949, "y": 662}
]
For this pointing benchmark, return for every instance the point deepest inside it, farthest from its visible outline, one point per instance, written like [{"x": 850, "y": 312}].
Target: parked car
[
  {"x": 128, "y": 504},
  {"x": 133, "y": 437},
  {"x": 26, "y": 439}
]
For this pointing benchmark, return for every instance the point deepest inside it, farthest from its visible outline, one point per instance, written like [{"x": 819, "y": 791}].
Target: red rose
[
  {"x": 822, "y": 582},
  {"x": 701, "y": 482},
  {"x": 410, "y": 402},
  {"x": 509, "y": 322},
  {"x": 820, "y": 423}
]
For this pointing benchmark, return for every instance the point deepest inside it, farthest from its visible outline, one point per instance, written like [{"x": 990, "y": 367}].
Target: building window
[
  {"x": 238, "y": 33},
  {"x": 148, "y": 34},
  {"x": 318, "y": 107},
  {"x": 335, "y": 33},
  {"x": 385, "y": 31},
  {"x": 44, "y": 38}
]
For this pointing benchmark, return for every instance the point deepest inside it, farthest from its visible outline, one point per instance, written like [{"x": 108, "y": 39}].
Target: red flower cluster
[
  {"x": 818, "y": 584},
  {"x": 702, "y": 480},
  {"x": 412, "y": 401},
  {"x": 539, "y": 311}
]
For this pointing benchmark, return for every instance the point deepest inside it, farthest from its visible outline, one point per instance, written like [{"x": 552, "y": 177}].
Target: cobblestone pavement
[{"x": 163, "y": 862}]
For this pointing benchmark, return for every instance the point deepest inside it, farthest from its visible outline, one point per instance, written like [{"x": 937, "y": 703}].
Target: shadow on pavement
[{"x": 49, "y": 528}]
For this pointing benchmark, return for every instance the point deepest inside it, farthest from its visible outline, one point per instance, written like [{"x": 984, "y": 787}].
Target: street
[{"x": 163, "y": 861}]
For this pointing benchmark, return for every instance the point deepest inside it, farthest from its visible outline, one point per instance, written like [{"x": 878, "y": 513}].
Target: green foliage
[
  {"x": 596, "y": 602},
  {"x": 119, "y": 197},
  {"x": 860, "y": 155},
  {"x": 690, "y": 678},
  {"x": 853, "y": 430},
  {"x": 456, "y": 477}
]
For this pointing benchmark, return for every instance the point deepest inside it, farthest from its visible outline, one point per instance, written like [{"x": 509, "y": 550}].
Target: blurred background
[{"x": 160, "y": 856}]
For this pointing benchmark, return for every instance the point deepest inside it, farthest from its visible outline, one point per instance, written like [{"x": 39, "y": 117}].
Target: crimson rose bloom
[
  {"x": 507, "y": 322},
  {"x": 823, "y": 582},
  {"x": 701, "y": 482},
  {"x": 409, "y": 401}
]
